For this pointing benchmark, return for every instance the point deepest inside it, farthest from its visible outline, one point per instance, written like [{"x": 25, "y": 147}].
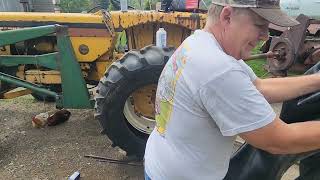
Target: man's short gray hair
[{"x": 214, "y": 12}]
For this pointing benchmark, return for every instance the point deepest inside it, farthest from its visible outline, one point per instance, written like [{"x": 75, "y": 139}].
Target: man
[{"x": 207, "y": 95}]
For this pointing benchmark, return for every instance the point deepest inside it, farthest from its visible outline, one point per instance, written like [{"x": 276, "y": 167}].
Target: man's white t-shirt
[{"x": 204, "y": 98}]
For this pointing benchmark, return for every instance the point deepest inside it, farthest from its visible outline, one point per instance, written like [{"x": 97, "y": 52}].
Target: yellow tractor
[{"x": 126, "y": 81}]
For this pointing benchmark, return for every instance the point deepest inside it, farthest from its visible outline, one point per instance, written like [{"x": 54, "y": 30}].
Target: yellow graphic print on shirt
[{"x": 166, "y": 87}]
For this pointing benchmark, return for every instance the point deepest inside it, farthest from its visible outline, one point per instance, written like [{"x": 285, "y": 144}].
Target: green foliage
[
  {"x": 150, "y": 4},
  {"x": 75, "y": 6},
  {"x": 256, "y": 50},
  {"x": 258, "y": 65},
  {"x": 121, "y": 44},
  {"x": 136, "y": 4},
  {"x": 204, "y": 4},
  {"x": 147, "y": 5},
  {"x": 111, "y": 7},
  {"x": 143, "y": 4},
  {"x": 104, "y": 3}
]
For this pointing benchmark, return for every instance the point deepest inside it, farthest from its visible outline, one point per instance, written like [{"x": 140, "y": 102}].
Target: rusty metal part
[
  {"x": 133, "y": 162},
  {"x": 277, "y": 28},
  {"x": 288, "y": 45},
  {"x": 108, "y": 22},
  {"x": 285, "y": 55},
  {"x": 88, "y": 32},
  {"x": 268, "y": 54},
  {"x": 313, "y": 28},
  {"x": 314, "y": 57},
  {"x": 297, "y": 34},
  {"x": 42, "y": 76},
  {"x": 299, "y": 45},
  {"x": 311, "y": 52},
  {"x": 143, "y": 101},
  {"x": 314, "y": 21}
]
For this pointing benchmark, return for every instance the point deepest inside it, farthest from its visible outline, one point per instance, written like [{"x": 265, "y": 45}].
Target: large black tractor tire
[
  {"x": 309, "y": 168},
  {"x": 135, "y": 70}
]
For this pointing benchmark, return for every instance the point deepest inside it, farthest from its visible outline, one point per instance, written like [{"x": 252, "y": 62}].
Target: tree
[
  {"x": 150, "y": 4},
  {"x": 204, "y": 4},
  {"x": 73, "y": 6},
  {"x": 103, "y": 4}
]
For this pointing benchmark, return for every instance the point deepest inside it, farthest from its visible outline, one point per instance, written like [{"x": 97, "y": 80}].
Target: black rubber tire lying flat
[
  {"x": 250, "y": 163},
  {"x": 292, "y": 113},
  {"x": 134, "y": 70}
]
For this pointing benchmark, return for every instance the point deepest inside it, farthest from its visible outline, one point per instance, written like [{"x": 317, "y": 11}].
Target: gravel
[{"x": 57, "y": 152}]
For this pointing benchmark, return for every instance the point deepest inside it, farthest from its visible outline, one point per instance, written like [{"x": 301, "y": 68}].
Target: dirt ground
[{"x": 56, "y": 152}]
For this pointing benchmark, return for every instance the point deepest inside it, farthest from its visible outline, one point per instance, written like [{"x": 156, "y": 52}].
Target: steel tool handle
[{"x": 268, "y": 54}]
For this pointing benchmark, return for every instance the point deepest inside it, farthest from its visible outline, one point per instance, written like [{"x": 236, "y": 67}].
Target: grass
[
  {"x": 258, "y": 67},
  {"x": 258, "y": 64}
]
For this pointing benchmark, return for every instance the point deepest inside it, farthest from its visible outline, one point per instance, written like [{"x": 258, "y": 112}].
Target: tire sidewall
[{"x": 117, "y": 126}]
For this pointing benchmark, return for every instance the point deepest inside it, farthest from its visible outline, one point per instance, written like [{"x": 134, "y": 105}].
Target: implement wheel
[{"x": 125, "y": 98}]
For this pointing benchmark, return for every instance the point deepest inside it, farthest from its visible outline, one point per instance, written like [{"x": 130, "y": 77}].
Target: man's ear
[{"x": 225, "y": 15}]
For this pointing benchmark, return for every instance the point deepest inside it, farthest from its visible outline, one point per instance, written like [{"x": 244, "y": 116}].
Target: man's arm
[
  {"x": 282, "y": 89},
  {"x": 281, "y": 138}
]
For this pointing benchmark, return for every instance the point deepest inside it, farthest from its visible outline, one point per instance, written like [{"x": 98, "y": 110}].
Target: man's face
[{"x": 243, "y": 34}]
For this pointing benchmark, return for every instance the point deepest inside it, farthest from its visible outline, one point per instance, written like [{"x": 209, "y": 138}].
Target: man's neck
[{"x": 216, "y": 32}]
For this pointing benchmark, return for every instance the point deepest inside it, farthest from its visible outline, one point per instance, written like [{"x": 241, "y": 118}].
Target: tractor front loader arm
[{"x": 74, "y": 94}]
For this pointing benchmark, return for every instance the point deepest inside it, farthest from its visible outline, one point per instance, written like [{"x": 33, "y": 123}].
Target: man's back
[{"x": 187, "y": 142}]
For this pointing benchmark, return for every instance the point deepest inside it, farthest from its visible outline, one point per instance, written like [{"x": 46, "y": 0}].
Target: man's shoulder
[
  {"x": 201, "y": 58},
  {"x": 210, "y": 59},
  {"x": 203, "y": 46}
]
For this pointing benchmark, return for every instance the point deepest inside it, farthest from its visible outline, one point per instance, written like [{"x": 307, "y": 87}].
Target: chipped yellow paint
[
  {"x": 97, "y": 47},
  {"x": 5, "y": 50},
  {"x": 43, "y": 77},
  {"x": 120, "y": 19},
  {"x": 131, "y": 18},
  {"x": 53, "y": 17},
  {"x": 101, "y": 45}
]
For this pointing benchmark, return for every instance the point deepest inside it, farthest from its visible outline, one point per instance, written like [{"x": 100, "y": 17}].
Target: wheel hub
[{"x": 139, "y": 109}]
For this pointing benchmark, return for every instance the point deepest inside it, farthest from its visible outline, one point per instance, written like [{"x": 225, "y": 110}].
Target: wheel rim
[
  {"x": 139, "y": 109},
  {"x": 139, "y": 122}
]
